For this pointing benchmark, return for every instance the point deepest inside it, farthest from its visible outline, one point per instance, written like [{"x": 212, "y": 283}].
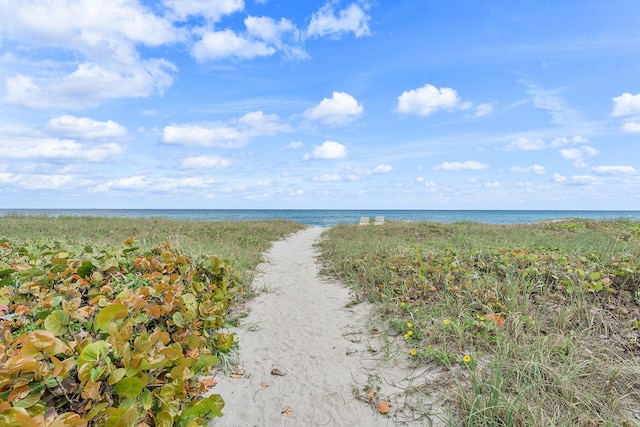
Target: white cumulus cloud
[
  {"x": 234, "y": 134},
  {"x": 579, "y": 155},
  {"x": 104, "y": 37},
  {"x": 470, "y": 165},
  {"x": 84, "y": 128},
  {"x": 339, "y": 109},
  {"x": 329, "y": 150},
  {"x": 34, "y": 181},
  {"x": 57, "y": 149},
  {"x": 216, "y": 45},
  {"x": 328, "y": 21},
  {"x": 381, "y": 169},
  {"x": 631, "y": 127},
  {"x": 614, "y": 170},
  {"x": 212, "y": 10},
  {"x": 144, "y": 184},
  {"x": 205, "y": 136},
  {"x": 626, "y": 105},
  {"x": 429, "y": 99},
  {"x": 328, "y": 178},
  {"x": 205, "y": 162}
]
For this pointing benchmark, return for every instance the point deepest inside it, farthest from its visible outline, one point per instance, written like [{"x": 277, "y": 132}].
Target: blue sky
[{"x": 320, "y": 104}]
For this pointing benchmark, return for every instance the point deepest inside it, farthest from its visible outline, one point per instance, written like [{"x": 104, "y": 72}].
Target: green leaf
[
  {"x": 96, "y": 373},
  {"x": 208, "y": 407},
  {"x": 89, "y": 358},
  {"x": 57, "y": 322},
  {"x": 206, "y": 361},
  {"x": 146, "y": 399},
  {"x": 164, "y": 419},
  {"x": 116, "y": 376},
  {"x": 28, "y": 401},
  {"x": 129, "y": 418},
  {"x": 6, "y": 272},
  {"x": 85, "y": 269},
  {"x": 109, "y": 314},
  {"x": 178, "y": 319},
  {"x": 94, "y": 410},
  {"x": 129, "y": 387},
  {"x": 93, "y": 352},
  {"x": 224, "y": 341}
]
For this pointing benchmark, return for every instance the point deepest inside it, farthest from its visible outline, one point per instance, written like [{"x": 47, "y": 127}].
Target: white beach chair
[
  {"x": 364, "y": 220},
  {"x": 379, "y": 220}
]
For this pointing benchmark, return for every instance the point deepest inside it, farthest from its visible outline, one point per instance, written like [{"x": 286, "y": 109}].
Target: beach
[{"x": 308, "y": 357}]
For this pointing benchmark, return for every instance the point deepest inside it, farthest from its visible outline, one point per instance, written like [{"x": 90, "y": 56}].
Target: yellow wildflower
[
  {"x": 446, "y": 321},
  {"x": 409, "y": 324},
  {"x": 406, "y": 336},
  {"x": 466, "y": 358},
  {"x": 413, "y": 352},
  {"x": 410, "y": 333}
]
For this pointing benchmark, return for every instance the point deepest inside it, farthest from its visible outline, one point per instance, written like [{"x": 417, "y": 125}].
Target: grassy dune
[
  {"x": 537, "y": 324},
  {"x": 241, "y": 242},
  {"x": 119, "y": 321}
]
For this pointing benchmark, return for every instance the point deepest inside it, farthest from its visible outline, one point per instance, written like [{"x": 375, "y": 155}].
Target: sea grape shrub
[
  {"x": 110, "y": 337},
  {"x": 422, "y": 274}
]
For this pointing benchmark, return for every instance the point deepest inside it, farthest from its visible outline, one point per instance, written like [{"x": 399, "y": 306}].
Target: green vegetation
[
  {"x": 243, "y": 243},
  {"x": 96, "y": 329},
  {"x": 538, "y": 324}
]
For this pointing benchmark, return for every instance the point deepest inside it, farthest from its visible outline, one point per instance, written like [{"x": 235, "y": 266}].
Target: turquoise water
[{"x": 327, "y": 218}]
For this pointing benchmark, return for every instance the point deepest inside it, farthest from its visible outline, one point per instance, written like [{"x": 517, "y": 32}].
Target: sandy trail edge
[{"x": 300, "y": 325}]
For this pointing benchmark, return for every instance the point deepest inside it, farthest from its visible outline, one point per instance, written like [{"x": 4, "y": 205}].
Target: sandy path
[{"x": 300, "y": 325}]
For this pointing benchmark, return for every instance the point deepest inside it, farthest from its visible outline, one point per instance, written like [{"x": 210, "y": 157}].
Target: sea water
[{"x": 327, "y": 218}]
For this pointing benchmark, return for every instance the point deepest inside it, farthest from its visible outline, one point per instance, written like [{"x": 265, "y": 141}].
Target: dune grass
[
  {"x": 537, "y": 324},
  {"x": 241, "y": 242}
]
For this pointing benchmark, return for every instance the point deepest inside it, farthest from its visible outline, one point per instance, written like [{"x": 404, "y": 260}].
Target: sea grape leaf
[
  {"x": 85, "y": 269},
  {"x": 206, "y": 361},
  {"x": 128, "y": 419},
  {"x": 164, "y": 419},
  {"x": 57, "y": 322},
  {"x": 116, "y": 376},
  {"x": 95, "y": 410},
  {"x": 28, "y": 401},
  {"x": 146, "y": 399},
  {"x": 129, "y": 387},
  {"x": 224, "y": 341},
  {"x": 109, "y": 314},
  {"x": 178, "y": 319},
  {"x": 93, "y": 352},
  {"x": 208, "y": 407}
]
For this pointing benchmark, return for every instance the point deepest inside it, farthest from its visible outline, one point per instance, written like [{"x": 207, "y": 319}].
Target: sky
[{"x": 267, "y": 104}]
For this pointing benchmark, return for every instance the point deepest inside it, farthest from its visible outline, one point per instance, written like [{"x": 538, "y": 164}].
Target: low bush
[{"x": 91, "y": 336}]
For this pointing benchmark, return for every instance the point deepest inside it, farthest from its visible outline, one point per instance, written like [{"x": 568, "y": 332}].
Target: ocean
[{"x": 328, "y": 218}]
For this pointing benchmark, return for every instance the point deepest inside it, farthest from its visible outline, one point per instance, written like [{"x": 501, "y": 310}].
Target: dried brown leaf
[
  {"x": 208, "y": 382},
  {"x": 384, "y": 407}
]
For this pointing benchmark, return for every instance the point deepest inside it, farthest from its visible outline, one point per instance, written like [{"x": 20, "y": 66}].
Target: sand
[{"x": 307, "y": 356}]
